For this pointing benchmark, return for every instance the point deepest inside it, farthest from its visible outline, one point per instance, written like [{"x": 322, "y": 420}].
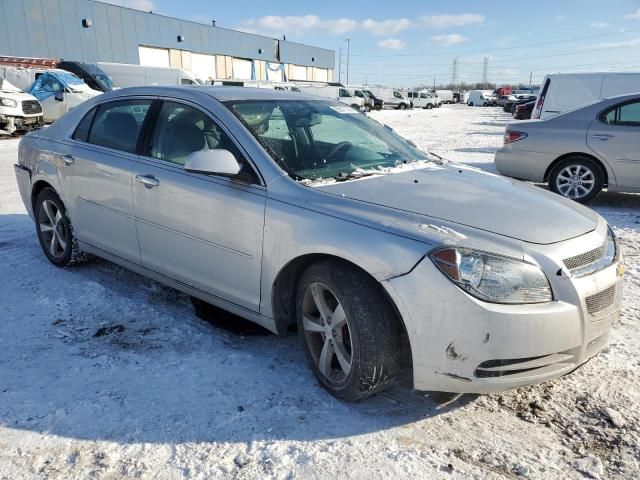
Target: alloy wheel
[
  {"x": 575, "y": 181},
  {"x": 52, "y": 229},
  {"x": 326, "y": 330}
]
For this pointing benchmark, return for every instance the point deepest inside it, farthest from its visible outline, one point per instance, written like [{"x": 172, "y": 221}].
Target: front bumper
[
  {"x": 21, "y": 123},
  {"x": 462, "y": 344}
]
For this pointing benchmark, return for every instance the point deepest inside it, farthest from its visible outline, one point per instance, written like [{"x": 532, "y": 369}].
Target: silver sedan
[
  {"x": 579, "y": 152},
  {"x": 290, "y": 209}
]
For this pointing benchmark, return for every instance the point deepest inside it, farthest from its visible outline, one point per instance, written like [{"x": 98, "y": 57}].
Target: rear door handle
[
  {"x": 68, "y": 159},
  {"x": 148, "y": 181},
  {"x": 604, "y": 138}
]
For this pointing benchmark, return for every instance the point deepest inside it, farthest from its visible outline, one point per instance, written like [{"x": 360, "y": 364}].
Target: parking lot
[{"x": 107, "y": 374}]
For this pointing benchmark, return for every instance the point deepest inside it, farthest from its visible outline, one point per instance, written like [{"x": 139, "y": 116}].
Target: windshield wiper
[{"x": 343, "y": 176}]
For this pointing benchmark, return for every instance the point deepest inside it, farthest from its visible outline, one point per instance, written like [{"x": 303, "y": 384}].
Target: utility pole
[
  {"x": 340, "y": 65},
  {"x": 348, "y": 40},
  {"x": 485, "y": 71},
  {"x": 434, "y": 83},
  {"x": 454, "y": 72},
  {"x": 530, "y": 78}
]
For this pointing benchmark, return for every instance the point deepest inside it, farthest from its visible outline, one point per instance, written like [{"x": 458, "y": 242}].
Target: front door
[
  {"x": 616, "y": 137},
  {"x": 95, "y": 172},
  {"x": 203, "y": 230}
]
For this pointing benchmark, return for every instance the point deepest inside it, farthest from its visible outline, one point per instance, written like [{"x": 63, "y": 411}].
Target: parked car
[
  {"x": 90, "y": 73},
  {"x": 517, "y": 99},
  {"x": 523, "y": 110},
  {"x": 579, "y": 152},
  {"x": 19, "y": 111},
  {"x": 378, "y": 103},
  {"x": 59, "y": 91},
  {"x": 391, "y": 97},
  {"x": 481, "y": 98},
  {"x": 338, "y": 93},
  {"x": 358, "y": 93},
  {"x": 128, "y": 75},
  {"x": 564, "y": 91},
  {"x": 423, "y": 99},
  {"x": 475, "y": 282},
  {"x": 445, "y": 96}
]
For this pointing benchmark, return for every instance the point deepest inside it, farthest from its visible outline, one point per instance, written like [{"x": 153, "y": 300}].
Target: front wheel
[
  {"x": 429, "y": 106},
  {"x": 403, "y": 106},
  {"x": 348, "y": 329},
  {"x": 54, "y": 230},
  {"x": 578, "y": 178}
]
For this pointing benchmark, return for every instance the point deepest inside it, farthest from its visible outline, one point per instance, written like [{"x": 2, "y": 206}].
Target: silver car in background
[
  {"x": 289, "y": 209},
  {"x": 578, "y": 152}
]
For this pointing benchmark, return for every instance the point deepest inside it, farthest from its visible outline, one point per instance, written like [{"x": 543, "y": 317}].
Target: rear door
[
  {"x": 95, "y": 173},
  {"x": 202, "y": 230},
  {"x": 615, "y": 135}
]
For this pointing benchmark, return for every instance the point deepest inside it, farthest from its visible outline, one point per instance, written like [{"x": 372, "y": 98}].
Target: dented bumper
[{"x": 462, "y": 344}]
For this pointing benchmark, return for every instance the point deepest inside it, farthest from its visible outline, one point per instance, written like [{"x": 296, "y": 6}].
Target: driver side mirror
[
  {"x": 59, "y": 96},
  {"x": 213, "y": 162}
]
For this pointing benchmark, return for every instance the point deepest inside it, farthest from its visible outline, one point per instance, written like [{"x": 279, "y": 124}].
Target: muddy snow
[{"x": 105, "y": 374}]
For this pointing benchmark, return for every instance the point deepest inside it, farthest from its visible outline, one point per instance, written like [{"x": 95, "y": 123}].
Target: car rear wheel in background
[
  {"x": 54, "y": 229},
  {"x": 578, "y": 178},
  {"x": 349, "y": 331}
]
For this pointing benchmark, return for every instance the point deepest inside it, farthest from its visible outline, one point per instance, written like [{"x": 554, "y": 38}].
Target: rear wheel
[
  {"x": 348, "y": 329},
  {"x": 54, "y": 229},
  {"x": 578, "y": 178}
]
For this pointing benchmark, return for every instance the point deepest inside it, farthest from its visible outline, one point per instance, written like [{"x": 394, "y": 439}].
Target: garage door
[
  {"x": 242, "y": 69},
  {"x": 321, "y": 74},
  {"x": 203, "y": 66},
  {"x": 275, "y": 72},
  {"x": 298, "y": 72},
  {"x": 153, "y": 57}
]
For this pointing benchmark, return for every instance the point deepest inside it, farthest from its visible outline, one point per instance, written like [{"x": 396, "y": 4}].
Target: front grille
[
  {"x": 516, "y": 366},
  {"x": 601, "y": 300},
  {"x": 31, "y": 106},
  {"x": 587, "y": 258}
]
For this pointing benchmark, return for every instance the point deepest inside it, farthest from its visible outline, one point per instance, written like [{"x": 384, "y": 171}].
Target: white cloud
[
  {"x": 446, "y": 21},
  {"x": 599, "y": 25},
  {"x": 448, "y": 40},
  {"x": 385, "y": 27},
  {"x": 278, "y": 24},
  {"x": 633, "y": 16},
  {"x": 392, "y": 44},
  {"x": 627, "y": 43},
  {"x": 145, "y": 5}
]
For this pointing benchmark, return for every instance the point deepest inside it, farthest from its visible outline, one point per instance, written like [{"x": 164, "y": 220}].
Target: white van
[
  {"x": 129, "y": 75},
  {"x": 564, "y": 91},
  {"x": 340, "y": 94},
  {"x": 446, "y": 96},
  {"x": 424, "y": 99},
  {"x": 359, "y": 93},
  {"x": 481, "y": 98},
  {"x": 392, "y": 98}
]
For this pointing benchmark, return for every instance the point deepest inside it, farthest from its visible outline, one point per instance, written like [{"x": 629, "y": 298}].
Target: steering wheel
[{"x": 337, "y": 148}]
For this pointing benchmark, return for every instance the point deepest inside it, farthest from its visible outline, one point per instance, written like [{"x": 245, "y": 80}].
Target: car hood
[{"x": 473, "y": 198}]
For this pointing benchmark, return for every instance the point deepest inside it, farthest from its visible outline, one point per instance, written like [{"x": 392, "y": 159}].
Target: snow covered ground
[{"x": 104, "y": 374}]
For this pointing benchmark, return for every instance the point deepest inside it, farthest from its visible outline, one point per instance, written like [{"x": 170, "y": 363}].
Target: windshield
[
  {"x": 72, "y": 82},
  {"x": 315, "y": 139}
]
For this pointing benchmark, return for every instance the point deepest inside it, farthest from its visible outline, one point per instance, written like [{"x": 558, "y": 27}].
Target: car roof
[{"x": 221, "y": 93}]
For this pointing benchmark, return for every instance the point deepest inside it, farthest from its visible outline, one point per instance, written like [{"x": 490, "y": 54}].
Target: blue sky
[{"x": 406, "y": 43}]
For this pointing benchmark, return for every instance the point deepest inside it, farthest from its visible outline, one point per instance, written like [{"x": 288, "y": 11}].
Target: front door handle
[
  {"x": 603, "y": 137},
  {"x": 68, "y": 159},
  {"x": 148, "y": 181}
]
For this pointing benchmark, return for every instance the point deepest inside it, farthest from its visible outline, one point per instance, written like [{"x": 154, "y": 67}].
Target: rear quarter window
[{"x": 82, "y": 130}]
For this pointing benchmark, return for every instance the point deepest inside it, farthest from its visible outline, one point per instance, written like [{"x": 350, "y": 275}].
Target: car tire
[
  {"x": 363, "y": 355},
  {"x": 471, "y": 104},
  {"x": 573, "y": 176},
  {"x": 429, "y": 106},
  {"x": 55, "y": 232},
  {"x": 402, "y": 106}
]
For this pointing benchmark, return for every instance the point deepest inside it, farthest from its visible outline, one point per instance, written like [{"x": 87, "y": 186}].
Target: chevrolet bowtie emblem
[{"x": 620, "y": 269}]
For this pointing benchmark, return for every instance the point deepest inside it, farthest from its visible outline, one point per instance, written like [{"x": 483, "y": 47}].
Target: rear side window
[
  {"x": 628, "y": 115},
  {"x": 117, "y": 124},
  {"x": 82, "y": 130}
]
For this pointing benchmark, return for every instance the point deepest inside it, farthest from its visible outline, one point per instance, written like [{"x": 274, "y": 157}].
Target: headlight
[
  {"x": 493, "y": 278},
  {"x": 7, "y": 102}
]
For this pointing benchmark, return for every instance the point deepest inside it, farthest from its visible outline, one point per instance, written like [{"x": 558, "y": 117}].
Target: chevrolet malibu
[{"x": 291, "y": 209}]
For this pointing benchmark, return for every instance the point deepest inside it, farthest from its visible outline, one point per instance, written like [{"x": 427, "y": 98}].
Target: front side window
[
  {"x": 359, "y": 94},
  {"x": 182, "y": 130},
  {"x": 397, "y": 94},
  {"x": 117, "y": 124},
  {"x": 344, "y": 93},
  {"x": 628, "y": 115},
  {"x": 187, "y": 81},
  {"x": 320, "y": 139}
]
